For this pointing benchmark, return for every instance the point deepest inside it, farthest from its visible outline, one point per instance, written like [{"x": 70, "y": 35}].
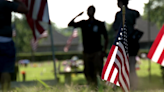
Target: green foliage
[
  {"x": 23, "y": 35},
  {"x": 66, "y": 31},
  {"x": 111, "y": 35},
  {"x": 156, "y": 12}
]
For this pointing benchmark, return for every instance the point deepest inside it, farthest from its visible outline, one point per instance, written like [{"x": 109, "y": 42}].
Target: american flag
[
  {"x": 156, "y": 52},
  {"x": 116, "y": 68},
  {"x": 74, "y": 35},
  {"x": 38, "y": 19}
]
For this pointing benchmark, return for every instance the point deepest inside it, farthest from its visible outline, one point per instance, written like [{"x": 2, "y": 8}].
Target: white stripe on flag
[
  {"x": 37, "y": 34},
  {"x": 110, "y": 63},
  {"x": 120, "y": 76},
  {"x": 113, "y": 77},
  {"x": 45, "y": 17},
  {"x": 44, "y": 25},
  {"x": 117, "y": 83},
  {"x": 159, "y": 50},
  {"x": 123, "y": 67},
  {"x": 29, "y": 4},
  {"x": 162, "y": 63},
  {"x": 36, "y": 9},
  {"x": 126, "y": 60}
]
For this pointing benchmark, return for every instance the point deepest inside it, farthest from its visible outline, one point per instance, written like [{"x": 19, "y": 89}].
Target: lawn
[{"x": 44, "y": 71}]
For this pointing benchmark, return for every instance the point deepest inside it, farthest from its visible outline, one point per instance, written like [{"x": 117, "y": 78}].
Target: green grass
[
  {"x": 44, "y": 71},
  {"x": 147, "y": 81}
]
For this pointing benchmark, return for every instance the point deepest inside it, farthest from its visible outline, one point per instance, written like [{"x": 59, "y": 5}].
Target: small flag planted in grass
[{"x": 156, "y": 52}]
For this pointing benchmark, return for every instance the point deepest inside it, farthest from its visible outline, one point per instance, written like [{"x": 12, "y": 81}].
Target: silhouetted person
[
  {"x": 7, "y": 48},
  {"x": 133, "y": 44},
  {"x": 93, "y": 51}
]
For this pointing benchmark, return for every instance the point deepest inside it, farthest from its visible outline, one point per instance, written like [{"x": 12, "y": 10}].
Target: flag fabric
[
  {"x": 116, "y": 68},
  {"x": 156, "y": 52},
  {"x": 38, "y": 19},
  {"x": 74, "y": 35}
]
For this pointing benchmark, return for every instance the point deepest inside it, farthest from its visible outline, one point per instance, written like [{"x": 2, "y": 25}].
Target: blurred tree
[
  {"x": 23, "y": 34},
  {"x": 66, "y": 31},
  {"x": 111, "y": 35},
  {"x": 156, "y": 12}
]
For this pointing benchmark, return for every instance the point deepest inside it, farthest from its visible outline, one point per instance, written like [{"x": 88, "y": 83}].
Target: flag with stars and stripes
[
  {"x": 38, "y": 19},
  {"x": 156, "y": 52},
  {"x": 74, "y": 35},
  {"x": 116, "y": 68}
]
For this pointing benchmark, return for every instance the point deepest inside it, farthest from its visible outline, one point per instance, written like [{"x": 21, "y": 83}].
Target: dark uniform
[
  {"x": 92, "y": 47},
  {"x": 7, "y": 48},
  {"x": 133, "y": 44},
  {"x": 131, "y": 16}
]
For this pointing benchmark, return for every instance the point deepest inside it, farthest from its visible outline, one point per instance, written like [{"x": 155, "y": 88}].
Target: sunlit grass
[{"x": 44, "y": 71}]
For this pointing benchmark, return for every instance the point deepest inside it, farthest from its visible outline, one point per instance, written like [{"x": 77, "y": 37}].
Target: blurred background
[{"x": 39, "y": 64}]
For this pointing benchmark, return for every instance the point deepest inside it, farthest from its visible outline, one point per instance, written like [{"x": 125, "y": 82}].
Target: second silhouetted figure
[{"x": 93, "y": 50}]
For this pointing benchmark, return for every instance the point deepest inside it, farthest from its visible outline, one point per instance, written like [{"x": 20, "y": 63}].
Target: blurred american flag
[
  {"x": 74, "y": 35},
  {"x": 116, "y": 69},
  {"x": 156, "y": 52},
  {"x": 38, "y": 19}
]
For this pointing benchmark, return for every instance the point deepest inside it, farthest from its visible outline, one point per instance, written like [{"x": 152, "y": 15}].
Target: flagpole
[
  {"x": 149, "y": 38},
  {"x": 53, "y": 50},
  {"x": 123, "y": 15}
]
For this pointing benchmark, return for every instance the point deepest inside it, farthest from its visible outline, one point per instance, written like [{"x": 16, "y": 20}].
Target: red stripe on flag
[
  {"x": 119, "y": 79},
  {"x": 26, "y": 2},
  {"x": 155, "y": 44},
  {"x": 124, "y": 60},
  {"x": 123, "y": 77},
  {"x": 31, "y": 8},
  {"x": 108, "y": 60},
  {"x": 41, "y": 10},
  {"x": 111, "y": 73},
  {"x": 31, "y": 24},
  {"x": 128, "y": 63},
  {"x": 39, "y": 27},
  {"x": 161, "y": 58},
  {"x": 116, "y": 79}
]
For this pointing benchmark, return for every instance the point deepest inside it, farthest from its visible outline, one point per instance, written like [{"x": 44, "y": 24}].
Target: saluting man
[{"x": 93, "y": 50}]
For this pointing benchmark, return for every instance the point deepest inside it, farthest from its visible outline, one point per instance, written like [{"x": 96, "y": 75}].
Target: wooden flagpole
[
  {"x": 123, "y": 15},
  {"x": 123, "y": 22}
]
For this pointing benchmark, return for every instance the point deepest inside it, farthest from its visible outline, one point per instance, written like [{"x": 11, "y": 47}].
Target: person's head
[
  {"x": 120, "y": 3},
  {"x": 91, "y": 11}
]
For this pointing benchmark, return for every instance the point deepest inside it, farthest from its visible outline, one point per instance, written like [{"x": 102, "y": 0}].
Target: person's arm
[
  {"x": 117, "y": 22},
  {"x": 16, "y": 6},
  {"x": 137, "y": 15},
  {"x": 72, "y": 23},
  {"x": 21, "y": 7},
  {"x": 105, "y": 35}
]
